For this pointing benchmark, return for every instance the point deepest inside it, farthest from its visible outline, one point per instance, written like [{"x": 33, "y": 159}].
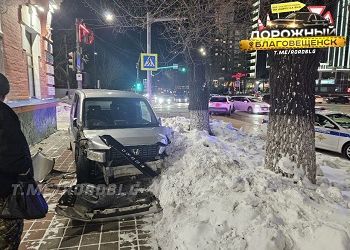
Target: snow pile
[
  {"x": 337, "y": 173},
  {"x": 215, "y": 194}
]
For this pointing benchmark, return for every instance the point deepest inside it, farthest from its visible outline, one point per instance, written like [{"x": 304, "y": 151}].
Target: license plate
[
  {"x": 217, "y": 104},
  {"x": 264, "y": 109}
]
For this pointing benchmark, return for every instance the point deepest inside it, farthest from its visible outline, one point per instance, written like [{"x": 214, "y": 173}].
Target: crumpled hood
[{"x": 128, "y": 136}]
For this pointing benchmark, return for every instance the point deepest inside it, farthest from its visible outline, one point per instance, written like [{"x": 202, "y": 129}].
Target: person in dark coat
[{"x": 15, "y": 160}]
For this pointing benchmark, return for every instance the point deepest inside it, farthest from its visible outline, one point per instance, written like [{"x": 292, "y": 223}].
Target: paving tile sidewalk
[{"x": 56, "y": 232}]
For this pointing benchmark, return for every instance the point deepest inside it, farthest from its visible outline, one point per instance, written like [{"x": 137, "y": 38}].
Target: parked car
[
  {"x": 221, "y": 105},
  {"x": 300, "y": 20},
  {"x": 318, "y": 99},
  {"x": 250, "y": 104},
  {"x": 338, "y": 99},
  {"x": 125, "y": 116},
  {"x": 333, "y": 132}
]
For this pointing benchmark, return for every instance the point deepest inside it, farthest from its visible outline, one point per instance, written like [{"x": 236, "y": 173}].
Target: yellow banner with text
[{"x": 283, "y": 43}]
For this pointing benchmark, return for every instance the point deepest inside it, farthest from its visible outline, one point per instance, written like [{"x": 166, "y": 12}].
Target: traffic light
[
  {"x": 72, "y": 60},
  {"x": 183, "y": 69},
  {"x": 139, "y": 87}
]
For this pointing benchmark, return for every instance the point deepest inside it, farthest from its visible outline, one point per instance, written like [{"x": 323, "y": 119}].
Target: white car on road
[
  {"x": 332, "y": 132},
  {"x": 250, "y": 104},
  {"x": 318, "y": 99},
  {"x": 221, "y": 105}
]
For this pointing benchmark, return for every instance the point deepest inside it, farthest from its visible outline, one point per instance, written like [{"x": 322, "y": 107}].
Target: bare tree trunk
[
  {"x": 199, "y": 97},
  {"x": 291, "y": 133}
]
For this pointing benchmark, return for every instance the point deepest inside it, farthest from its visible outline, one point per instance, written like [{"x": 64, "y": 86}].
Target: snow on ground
[
  {"x": 215, "y": 194},
  {"x": 336, "y": 172}
]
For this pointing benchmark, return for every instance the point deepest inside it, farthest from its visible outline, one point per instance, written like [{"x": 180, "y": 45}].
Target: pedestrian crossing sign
[{"x": 149, "y": 62}]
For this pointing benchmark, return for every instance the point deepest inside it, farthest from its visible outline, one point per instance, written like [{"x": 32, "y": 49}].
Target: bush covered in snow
[{"x": 216, "y": 194}]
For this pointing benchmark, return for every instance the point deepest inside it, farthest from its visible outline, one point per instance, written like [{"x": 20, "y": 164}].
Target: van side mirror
[
  {"x": 160, "y": 121},
  {"x": 75, "y": 123}
]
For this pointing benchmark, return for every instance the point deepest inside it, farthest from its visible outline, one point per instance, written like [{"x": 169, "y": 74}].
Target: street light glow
[
  {"x": 109, "y": 16},
  {"x": 202, "y": 50}
]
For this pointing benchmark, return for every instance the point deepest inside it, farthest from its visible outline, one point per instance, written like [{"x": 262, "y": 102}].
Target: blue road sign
[{"x": 149, "y": 62}]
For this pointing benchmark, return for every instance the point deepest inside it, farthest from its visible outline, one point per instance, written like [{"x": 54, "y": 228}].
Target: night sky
[{"x": 124, "y": 48}]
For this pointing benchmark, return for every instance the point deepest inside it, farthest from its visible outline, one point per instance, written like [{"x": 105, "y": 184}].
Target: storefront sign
[{"x": 283, "y": 43}]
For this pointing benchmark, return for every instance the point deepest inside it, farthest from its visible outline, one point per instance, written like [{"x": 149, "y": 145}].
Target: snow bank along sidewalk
[{"x": 216, "y": 194}]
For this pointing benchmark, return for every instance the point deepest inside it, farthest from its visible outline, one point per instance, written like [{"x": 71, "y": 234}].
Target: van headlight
[
  {"x": 163, "y": 143},
  {"x": 97, "y": 156},
  {"x": 161, "y": 150}
]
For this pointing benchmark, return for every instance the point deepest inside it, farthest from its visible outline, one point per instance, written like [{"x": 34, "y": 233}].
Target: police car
[{"x": 332, "y": 132}]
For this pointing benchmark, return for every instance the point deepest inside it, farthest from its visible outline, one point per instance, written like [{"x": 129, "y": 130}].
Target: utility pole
[
  {"x": 79, "y": 52},
  {"x": 95, "y": 70},
  {"x": 151, "y": 20},
  {"x": 67, "y": 65},
  {"x": 138, "y": 70},
  {"x": 149, "y": 50}
]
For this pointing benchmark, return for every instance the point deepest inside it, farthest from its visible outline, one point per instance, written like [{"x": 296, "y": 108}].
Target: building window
[{"x": 29, "y": 40}]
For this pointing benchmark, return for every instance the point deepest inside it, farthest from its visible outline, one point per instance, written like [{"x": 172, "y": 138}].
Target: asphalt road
[
  {"x": 344, "y": 108},
  {"x": 238, "y": 119},
  {"x": 171, "y": 110}
]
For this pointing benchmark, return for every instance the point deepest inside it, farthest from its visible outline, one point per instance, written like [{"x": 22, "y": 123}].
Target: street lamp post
[
  {"x": 149, "y": 49},
  {"x": 79, "y": 52},
  {"x": 149, "y": 21}
]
